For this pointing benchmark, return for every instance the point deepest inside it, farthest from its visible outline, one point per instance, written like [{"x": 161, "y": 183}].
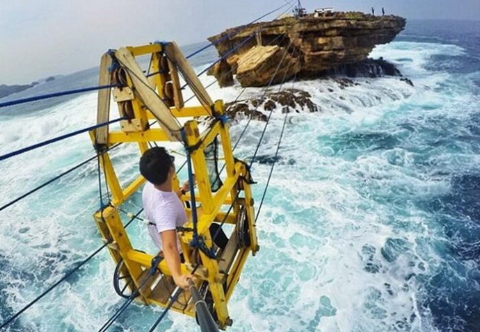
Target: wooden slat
[
  {"x": 177, "y": 93},
  {"x": 103, "y": 108},
  {"x": 163, "y": 289},
  {"x": 228, "y": 255},
  {"x": 198, "y": 89},
  {"x": 148, "y": 96}
]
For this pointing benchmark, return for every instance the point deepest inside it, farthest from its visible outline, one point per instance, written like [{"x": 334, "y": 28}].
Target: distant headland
[
  {"x": 307, "y": 46},
  {"x": 6, "y": 90}
]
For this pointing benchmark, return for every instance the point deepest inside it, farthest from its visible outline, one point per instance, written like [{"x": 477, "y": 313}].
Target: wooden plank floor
[
  {"x": 165, "y": 287},
  {"x": 228, "y": 255}
]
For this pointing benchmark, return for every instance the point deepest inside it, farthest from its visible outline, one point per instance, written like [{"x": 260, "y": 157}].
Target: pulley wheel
[
  {"x": 243, "y": 232},
  {"x": 123, "y": 281}
]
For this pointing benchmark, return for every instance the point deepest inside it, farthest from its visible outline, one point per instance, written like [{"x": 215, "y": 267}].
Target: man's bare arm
[{"x": 172, "y": 256}]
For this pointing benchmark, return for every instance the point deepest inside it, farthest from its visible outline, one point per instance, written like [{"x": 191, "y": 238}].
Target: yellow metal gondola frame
[{"x": 167, "y": 62}]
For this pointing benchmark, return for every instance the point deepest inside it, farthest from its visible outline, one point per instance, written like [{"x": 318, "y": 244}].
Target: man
[{"x": 165, "y": 210}]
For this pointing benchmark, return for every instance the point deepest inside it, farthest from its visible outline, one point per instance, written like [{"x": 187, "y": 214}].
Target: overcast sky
[{"x": 40, "y": 38}]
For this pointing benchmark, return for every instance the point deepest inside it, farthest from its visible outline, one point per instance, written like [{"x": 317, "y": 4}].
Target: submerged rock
[
  {"x": 365, "y": 68},
  {"x": 289, "y": 100},
  {"x": 308, "y": 46}
]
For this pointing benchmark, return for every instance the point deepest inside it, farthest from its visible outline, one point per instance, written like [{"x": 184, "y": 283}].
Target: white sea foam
[{"x": 340, "y": 234}]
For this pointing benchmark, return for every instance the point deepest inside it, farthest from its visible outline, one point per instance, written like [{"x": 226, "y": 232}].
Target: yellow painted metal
[
  {"x": 212, "y": 206},
  {"x": 112, "y": 230},
  {"x": 112, "y": 180},
  {"x": 150, "y": 135},
  {"x": 190, "y": 111},
  {"x": 145, "y": 49},
  {"x": 198, "y": 158}
]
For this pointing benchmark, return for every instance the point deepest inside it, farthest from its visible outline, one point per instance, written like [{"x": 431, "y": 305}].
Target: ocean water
[{"x": 371, "y": 221}]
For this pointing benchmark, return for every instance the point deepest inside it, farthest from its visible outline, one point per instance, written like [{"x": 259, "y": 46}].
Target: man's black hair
[{"x": 155, "y": 164}]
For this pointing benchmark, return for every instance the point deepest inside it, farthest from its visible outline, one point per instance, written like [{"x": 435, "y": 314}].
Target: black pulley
[
  {"x": 243, "y": 232},
  {"x": 123, "y": 281}
]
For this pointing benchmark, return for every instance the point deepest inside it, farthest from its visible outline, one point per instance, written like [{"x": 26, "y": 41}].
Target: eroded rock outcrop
[
  {"x": 308, "y": 46},
  {"x": 288, "y": 100}
]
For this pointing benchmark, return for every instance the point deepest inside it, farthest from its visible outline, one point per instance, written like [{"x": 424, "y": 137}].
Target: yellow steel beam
[
  {"x": 109, "y": 215},
  {"x": 229, "y": 219},
  {"x": 199, "y": 165},
  {"x": 111, "y": 178},
  {"x": 151, "y": 135},
  {"x": 146, "y": 49},
  {"x": 219, "y": 199},
  {"x": 210, "y": 134},
  {"x": 190, "y": 111},
  {"x": 133, "y": 187}
]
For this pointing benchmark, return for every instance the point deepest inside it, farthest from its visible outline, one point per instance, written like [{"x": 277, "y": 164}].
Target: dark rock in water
[
  {"x": 289, "y": 99},
  {"x": 294, "y": 98},
  {"x": 233, "y": 110},
  {"x": 343, "y": 82},
  {"x": 371, "y": 268},
  {"x": 51, "y": 78},
  {"x": 393, "y": 248},
  {"x": 270, "y": 160},
  {"x": 367, "y": 255},
  {"x": 306, "y": 46},
  {"x": 407, "y": 80},
  {"x": 266, "y": 159},
  {"x": 366, "y": 68}
]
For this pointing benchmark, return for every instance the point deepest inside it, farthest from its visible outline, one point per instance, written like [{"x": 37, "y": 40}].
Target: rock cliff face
[{"x": 309, "y": 46}]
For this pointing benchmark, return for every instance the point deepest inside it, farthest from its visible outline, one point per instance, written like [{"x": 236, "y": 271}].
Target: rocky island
[
  {"x": 310, "y": 46},
  {"x": 6, "y": 90}
]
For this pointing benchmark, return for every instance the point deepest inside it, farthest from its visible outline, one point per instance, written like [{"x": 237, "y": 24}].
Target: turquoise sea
[{"x": 371, "y": 221}]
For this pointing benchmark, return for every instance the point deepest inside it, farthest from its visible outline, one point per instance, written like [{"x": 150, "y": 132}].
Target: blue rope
[
  {"x": 155, "y": 261},
  {"x": 50, "y": 181},
  {"x": 264, "y": 94},
  {"x": 191, "y": 180},
  {"x": 197, "y": 241},
  {"x": 232, "y": 34},
  {"x": 56, "y": 94},
  {"x": 69, "y": 92},
  {"x": 8, "y": 321},
  {"x": 273, "y": 165},
  {"x": 5, "y": 323},
  {"x": 56, "y": 139}
]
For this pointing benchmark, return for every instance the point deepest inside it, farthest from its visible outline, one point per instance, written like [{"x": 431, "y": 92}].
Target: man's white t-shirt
[{"x": 165, "y": 210}]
